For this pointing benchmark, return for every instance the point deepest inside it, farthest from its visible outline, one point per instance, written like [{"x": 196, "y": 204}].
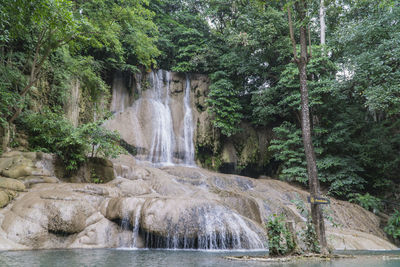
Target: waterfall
[
  {"x": 155, "y": 116},
  {"x": 188, "y": 127},
  {"x": 162, "y": 145}
]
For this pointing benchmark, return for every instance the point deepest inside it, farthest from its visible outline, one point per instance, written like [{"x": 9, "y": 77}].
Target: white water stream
[
  {"x": 167, "y": 147},
  {"x": 188, "y": 127},
  {"x": 162, "y": 146}
]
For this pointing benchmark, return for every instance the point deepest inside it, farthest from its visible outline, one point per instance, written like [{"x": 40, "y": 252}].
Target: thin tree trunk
[
  {"x": 322, "y": 13},
  {"x": 316, "y": 211}
]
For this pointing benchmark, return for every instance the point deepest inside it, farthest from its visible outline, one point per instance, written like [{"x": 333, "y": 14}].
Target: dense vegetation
[
  {"x": 244, "y": 46},
  {"x": 354, "y": 82}
]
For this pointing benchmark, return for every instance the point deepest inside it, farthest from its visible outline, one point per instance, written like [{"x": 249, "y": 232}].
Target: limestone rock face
[
  {"x": 135, "y": 113},
  {"x": 168, "y": 207}
]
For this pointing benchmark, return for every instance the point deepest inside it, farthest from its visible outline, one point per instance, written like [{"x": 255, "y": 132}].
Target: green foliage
[
  {"x": 393, "y": 226},
  {"x": 310, "y": 237},
  {"x": 367, "y": 201},
  {"x": 95, "y": 179},
  {"x": 184, "y": 36},
  {"x": 280, "y": 239},
  {"x": 103, "y": 142},
  {"x": 288, "y": 147},
  {"x": 50, "y": 132},
  {"x": 120, "y": 34},
  {"x": 10, "y": 77},
  {"x": 224, "y": 104},
  {"x": 368, "y": 45},
  {"x": 7, "y": 99},
  {"x": 57, "y": 41},
  {"x": 346, "y": 144}
]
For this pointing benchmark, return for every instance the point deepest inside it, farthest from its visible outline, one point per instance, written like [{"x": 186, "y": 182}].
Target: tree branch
[
  {"x": 35, "y": 57},
  {"x": 309, "y": 44}
]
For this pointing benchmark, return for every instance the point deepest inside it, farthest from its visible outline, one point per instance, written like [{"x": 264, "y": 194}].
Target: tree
[
  {"x": 316, "y": 211},
  {"x": 49, "y": 25}
]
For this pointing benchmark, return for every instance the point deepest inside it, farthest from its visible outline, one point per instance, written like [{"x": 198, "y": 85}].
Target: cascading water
[
  {"x": 153, "y": 114},
  {"x": 216, "y": 229},
  {"x": 188, "y": 127},
  {"x": 135, "y": 230},
  {"x": 162, "y": 145}
]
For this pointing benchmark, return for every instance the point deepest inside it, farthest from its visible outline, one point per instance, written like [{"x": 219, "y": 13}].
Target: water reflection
[{"x": 144, "y": 258}]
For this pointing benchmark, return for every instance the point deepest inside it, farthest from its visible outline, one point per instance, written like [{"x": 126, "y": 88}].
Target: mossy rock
[
  {"x": 6, "y": 196},
  {"x": 94, "y": 170},
  {"x": 4, "y": 199},
  {"x": 11, "y": 184}
]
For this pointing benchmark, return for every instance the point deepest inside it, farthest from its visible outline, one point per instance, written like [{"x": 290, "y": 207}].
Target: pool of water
[{"x": 143, "y": 258}]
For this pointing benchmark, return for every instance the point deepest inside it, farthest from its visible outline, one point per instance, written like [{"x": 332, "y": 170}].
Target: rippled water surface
[{"x": 143, "y": 258}]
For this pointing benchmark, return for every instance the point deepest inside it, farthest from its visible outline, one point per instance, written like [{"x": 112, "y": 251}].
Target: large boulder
[{"x": 59, "y": 216}]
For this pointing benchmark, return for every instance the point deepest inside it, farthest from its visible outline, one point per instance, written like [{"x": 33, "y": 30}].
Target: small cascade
[
  {"x": 217, "y": 230},
  {"x": 162, "y": 144},
  {"x": 188, "y": 127},
  {"x": 135, "y": 230}
]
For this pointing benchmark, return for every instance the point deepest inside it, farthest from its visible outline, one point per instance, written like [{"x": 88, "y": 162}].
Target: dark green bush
[
  {"x": 393, "y": 226},
  {"x": 50, "y": 132}
]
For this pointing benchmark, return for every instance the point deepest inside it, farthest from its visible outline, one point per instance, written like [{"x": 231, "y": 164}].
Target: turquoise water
[{"x": 143, "y": 258}]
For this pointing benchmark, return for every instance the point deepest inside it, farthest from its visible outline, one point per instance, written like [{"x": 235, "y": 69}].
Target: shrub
[
  {"x": 367, "y": 201},
  {"x": 393, "y": 226},
  {"x": 50, "y": 132},
  {"x": 102, "y": 142},
  {"x": 280, "y": 239}
]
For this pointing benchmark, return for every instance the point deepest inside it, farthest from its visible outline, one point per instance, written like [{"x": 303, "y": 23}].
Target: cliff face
[{"x": 135, "y": 113}]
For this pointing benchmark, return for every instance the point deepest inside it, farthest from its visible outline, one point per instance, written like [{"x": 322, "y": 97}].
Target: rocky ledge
[{"x": 173, "y": 207}]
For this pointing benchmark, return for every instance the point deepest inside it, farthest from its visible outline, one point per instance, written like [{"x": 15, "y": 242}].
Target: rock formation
[{"x": 168, "y": 207}]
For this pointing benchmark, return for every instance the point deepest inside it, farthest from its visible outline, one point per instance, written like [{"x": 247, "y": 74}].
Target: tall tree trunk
[
  {"x": 316, "y": 211},
  {"x": 322, "y": 13}
]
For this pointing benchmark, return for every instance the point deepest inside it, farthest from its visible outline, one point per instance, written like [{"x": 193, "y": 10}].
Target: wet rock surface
[{"x": 173, "y": 207}]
